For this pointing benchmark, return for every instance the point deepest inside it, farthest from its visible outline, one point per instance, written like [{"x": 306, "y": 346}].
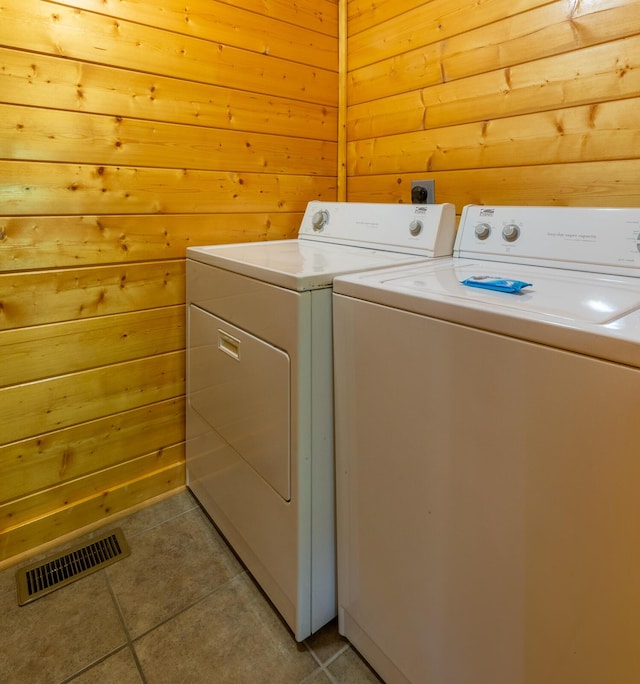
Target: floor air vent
[{"x": 37, "y": 580}]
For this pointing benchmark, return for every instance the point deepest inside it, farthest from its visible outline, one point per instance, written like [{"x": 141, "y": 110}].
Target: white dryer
[
  {"x": 259, "y": 385},
  {"x": 488, "y": 454}
]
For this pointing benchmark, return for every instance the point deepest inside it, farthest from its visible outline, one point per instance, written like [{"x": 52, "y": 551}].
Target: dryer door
[{"x": 240, "y": 384}]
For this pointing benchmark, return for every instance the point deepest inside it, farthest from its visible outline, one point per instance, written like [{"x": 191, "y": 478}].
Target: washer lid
[
  {"x": 554, "y": 293},
  {"x": 297, "y": 264},
  {"x": 591, "y": 313}
]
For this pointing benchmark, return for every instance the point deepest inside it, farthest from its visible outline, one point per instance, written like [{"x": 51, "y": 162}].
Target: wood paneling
[
  {"x": 62, "y": 401},
  {"x": 39, "y": 297},
  {"x": 604, "y": 131},
  {"x": 128, "y": 132},
  {"x": 31, "y": 79},
  {"x": 75, "y": 514},
  {"x": 25, "y": 509},
  {"x": 532, "y": 102},
  {"x": 413, "y": 26},
  {"x": 231, "y": 26},
  {"x": 44, "y": 188},
  {"x": 37, "y": 242},
  {"x": 40, "y": 26},
  {"x": 43, "y": 351},
  {"x": 59, "y": 136},
  {"x": 587, "y": 76},
  {"x": 586, "y": 184},
  {"x": 69, "y": 453},
  {"x": 549, "y": 30}
]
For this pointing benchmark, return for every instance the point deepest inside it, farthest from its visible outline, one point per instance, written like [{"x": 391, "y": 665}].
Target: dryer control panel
[
  {"x": 426, "y": 229},
  {"x": 597, "y": 239}
]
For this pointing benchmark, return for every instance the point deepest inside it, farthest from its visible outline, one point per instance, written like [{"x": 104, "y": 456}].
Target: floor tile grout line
[
  {"x": 312, "y": 675},
  {"x": 117, "y": 649},
  {"x": 123, "y": 622},
  {"x": 186, "y": 608},
  {"x": 336, "y": 655},
  {"x": 323, "y": 665},
  {"x": 161, "y": 522},
  {"x": 94, "y": 663}
]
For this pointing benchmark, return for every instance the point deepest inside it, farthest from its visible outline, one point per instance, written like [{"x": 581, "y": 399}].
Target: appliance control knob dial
[
  {"x": 483, "y": 230},
  {"x": 511, "y": 232},
  {"x": 320, "y": 219},
  {"x": 415, "y": 227}
]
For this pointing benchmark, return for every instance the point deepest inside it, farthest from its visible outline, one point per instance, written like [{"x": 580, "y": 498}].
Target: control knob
[
  {"x": 511, "y": 232},
  {"x": 320, "y": 219},
  {"x": 415, "y": 227},
  {"x": 483, "y": 230}
]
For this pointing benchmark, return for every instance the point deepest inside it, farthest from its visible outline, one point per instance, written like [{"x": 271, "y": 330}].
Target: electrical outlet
[{"x": 423, "y": 192}]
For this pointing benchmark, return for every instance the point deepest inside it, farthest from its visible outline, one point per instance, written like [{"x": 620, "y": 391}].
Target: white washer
[
  {"x": 488, "y": 455},
  {"x": 260, "y": 396}
]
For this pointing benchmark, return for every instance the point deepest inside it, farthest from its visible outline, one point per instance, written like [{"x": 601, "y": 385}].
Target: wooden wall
[
  {"x": 500, "y": 101},
  {"x": 128, "y": 131}
]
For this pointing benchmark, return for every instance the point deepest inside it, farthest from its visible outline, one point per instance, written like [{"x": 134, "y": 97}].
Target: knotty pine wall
[
  {"x": 129, "y": 130},
  {"x": 498, "y": 101}
]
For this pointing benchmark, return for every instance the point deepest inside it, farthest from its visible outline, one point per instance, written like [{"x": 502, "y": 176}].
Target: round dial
[
  {"x": 510, "y": 232},
  {"x": 415, "y": 227},
  {"x": 320, "y": 219},
  {"x": 483, "y": 230}
]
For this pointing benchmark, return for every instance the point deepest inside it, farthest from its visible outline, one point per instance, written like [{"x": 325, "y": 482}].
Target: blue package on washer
[{"x": 493, "y": 283}]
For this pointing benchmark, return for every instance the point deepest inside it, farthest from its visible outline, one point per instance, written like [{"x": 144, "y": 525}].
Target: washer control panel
[{"x": 580, "y": 238}]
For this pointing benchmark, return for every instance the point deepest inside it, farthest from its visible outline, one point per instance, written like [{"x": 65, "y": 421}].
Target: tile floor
[{"x": 179, "y": 609}]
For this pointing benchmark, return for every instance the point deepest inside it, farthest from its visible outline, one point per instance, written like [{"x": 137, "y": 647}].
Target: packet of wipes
[{"x": 493, "y": 283}]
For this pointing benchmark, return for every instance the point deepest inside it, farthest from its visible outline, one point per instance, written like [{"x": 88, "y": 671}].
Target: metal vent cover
[{"x": 38, "y": 579}]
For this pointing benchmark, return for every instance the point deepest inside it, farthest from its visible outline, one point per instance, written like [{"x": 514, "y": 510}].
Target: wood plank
[
  {"x": 30, "y": 188},
  {"x": 235, "y": 26},
  {"x": 591, "y": 75},
  {"x": 540, "y": 33},
  {"x": 55, "y": 457},
  {"x": 591, "y": 184},
  {"x": 28, "y": 133},
  {"x": 45, "y": 351},
  {"x": 20, "y": 510},
  {"x": 365, "y": 14},
  {"x": 318, "y": 15},
  {"x": 36, "y": 242},
  {"x": 39, "y": 297},
  {"x": 33, "y": 79},
  {"x": 387, "y": 116},
  {"x": 400, "y": 74},
  {"x": 426, "y": 24},
  {"x": 51, "y": 404},
  {"x": 597, "y": 132},
  {"x": 21, "y": 538},
  {"x": 53, "y": 29},
  {"x": 550, "y": 30}
]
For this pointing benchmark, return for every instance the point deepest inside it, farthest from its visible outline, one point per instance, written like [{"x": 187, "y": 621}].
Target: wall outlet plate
[{"x": 423, "y": 192}]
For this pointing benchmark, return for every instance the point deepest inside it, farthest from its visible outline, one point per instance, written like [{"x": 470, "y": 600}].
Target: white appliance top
[
  {"x": 337, "y": 238},
  {"x": 583, "y": 265}
]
